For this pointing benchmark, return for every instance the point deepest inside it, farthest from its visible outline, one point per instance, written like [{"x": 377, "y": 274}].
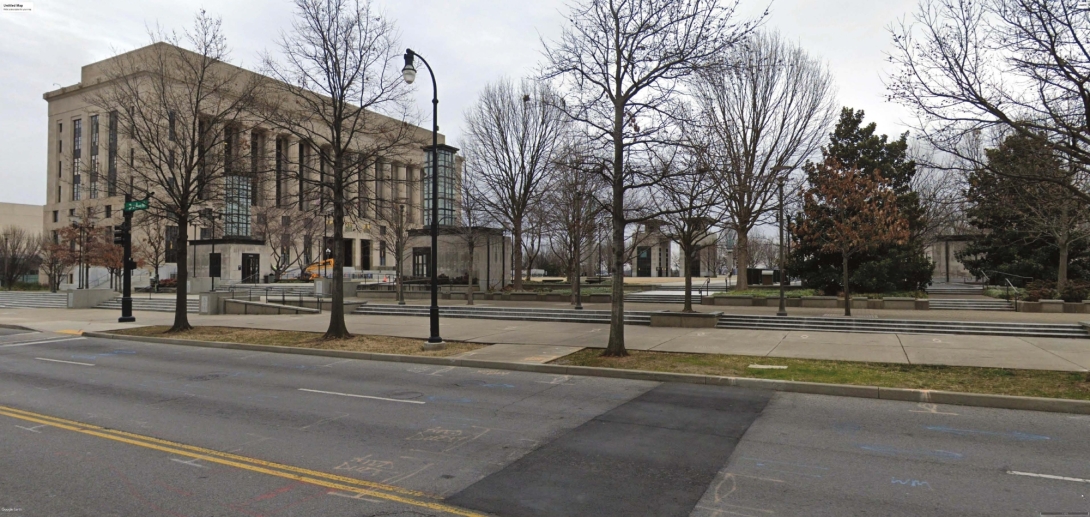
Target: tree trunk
[
  {"x": 577, "y": 286},
  {"x": 337, "y": 328},
  {"x": 469, "y": 277},
  {"x": 686, "y": 252},
  {"x": 181, "y": 301},
  {"x": 847, "y": 290},
  {"x": 1061, "y": 271},
  {"x": 516, "y": 254},
  {"x": 741, "y": 258}
]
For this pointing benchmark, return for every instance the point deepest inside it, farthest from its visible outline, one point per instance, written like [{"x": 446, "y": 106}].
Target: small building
[
  {"x": 943, "y": 253},
  {"x": 491, "y": 256},
  {"x": 653, "y": 254},
  {"x": 30, "y": 218}
]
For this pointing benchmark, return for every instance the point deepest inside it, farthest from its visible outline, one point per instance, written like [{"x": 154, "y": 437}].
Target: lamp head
[{"x": 409, "y": 72}]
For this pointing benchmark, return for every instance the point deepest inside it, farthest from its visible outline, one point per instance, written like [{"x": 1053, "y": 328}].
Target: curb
[
  {"x": 816, "y": 388},
  {"x": 16, "y": 327}
]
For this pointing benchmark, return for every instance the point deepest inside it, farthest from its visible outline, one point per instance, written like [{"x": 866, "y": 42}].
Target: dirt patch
[{"x": 357, "y": 343}]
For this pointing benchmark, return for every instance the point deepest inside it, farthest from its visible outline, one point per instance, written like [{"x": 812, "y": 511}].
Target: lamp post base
[
  {"x": 430, "y": 346},
  {"x": 126, "y": 319}
]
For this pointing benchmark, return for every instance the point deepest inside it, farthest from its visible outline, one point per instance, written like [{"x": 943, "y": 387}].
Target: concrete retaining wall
[
  {"x": 691, "y": 320},
  {"x": 89, "y": 298},
  {"x": 249, "y": 307}
]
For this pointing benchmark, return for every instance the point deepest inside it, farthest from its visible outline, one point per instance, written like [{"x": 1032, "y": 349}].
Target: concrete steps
[
  {"x": 880, "y": 326},
  {"x": 151, "y": 304},
  {"x": 955, "y": 304},
  {"x": 33, "y": 300},
  {"x": 272, "y": 289},
  {"x": 957, "y": 289},
  {"x": 504, "y": 313}
]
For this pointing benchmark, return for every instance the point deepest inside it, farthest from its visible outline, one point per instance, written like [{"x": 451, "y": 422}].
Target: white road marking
[
  {"x": 767, "y": 367},
  {"x": 44, "y": 341},
  {"x": 65, "y": 362},
  {"x": 32, "y": 429},
  {"x": 363, "y": 396},
  {"x": 1047, "y": 476},
  {"x": 191, "y": 462}
]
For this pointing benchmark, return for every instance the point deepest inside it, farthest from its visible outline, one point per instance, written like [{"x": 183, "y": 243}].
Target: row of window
[{"x": 92, "y": 190}]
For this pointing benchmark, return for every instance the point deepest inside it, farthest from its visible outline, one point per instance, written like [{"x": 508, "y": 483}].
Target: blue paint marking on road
[
  {"x": 847, "y": 428},
  {"x": 882, "y": 449},
  {"x": 912, "y": 483},
  {"x": 497, "y": 385},
  {"x": 104, "y": 354},
  {"x": 1022, "y": 437},
  {"x": 440, "y": 398}
]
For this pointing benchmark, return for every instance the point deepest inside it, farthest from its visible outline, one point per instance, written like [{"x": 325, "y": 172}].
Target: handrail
[
  {"x": 707, "y": 284},
  {"x": 1009, "y": 287}
]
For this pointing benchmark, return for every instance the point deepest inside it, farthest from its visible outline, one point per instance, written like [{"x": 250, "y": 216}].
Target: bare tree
[
  {"x": 393, "y": 237},
  {"x": 535, "y": 231},
  {"x": 57, "y": 259},
  {"x": 575, "y": 200},
  {"x": 621, "y": 64},
  {"x": 19, "y": 251},
  {"x": 762, "y": 251},
  {"x": 690, "y": 214},
  {"x": 765, "y": 110},
  {"x": 473, "y": 214},
  {"x": 973, "y": 66},
  {"x": 174, "y": 107},
  {"x": 342, "y": 94},
  {"x": 150, "y": 242},
  {"x": 512, "y": 136}
]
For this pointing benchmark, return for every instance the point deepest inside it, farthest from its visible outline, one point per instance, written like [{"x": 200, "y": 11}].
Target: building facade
[{"x": 267, "y": 224}]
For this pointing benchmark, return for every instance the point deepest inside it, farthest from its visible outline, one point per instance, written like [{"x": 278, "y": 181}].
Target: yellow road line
[
  {"x": 139, "y": 441},
  {"x": 227, "y": 455}
]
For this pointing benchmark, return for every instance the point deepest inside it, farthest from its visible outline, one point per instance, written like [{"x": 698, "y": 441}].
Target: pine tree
[{"x": 900, "y": 266}]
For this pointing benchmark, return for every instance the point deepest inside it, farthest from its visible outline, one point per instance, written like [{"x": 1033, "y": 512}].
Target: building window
[
  {"x": 306, "y": 250},
  {"x": 236, "y": 214},
  {"x": 77, "y": 150},
  {"x": 55, "y": 214},
  {"x": 71, "y": 212},
  {"x": 170, "y": 126},
  {"x": 257, "y": 150},
  {"x": 304, "y": 158},
  {"x": 94, "y": 157},
  {"x": 111, "y": 156},
  {"x": 280, "y": 145},
  {"x": 58, "y": 193},
  {"x": 206, "y": 233},
  {"x": 109, "y": 211},
  {"x": 56, "y": 237},
  {"x": 171, "y": 240},
  {"x": 382, "y": 256}
]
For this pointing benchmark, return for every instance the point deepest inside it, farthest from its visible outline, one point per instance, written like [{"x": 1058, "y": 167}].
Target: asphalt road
[{"x": 99, "y": 427}]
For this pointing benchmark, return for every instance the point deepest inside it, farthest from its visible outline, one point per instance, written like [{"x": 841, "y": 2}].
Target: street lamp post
[
  {"x": 409, "y": 74},
  {"x": 783, "y": 271}
]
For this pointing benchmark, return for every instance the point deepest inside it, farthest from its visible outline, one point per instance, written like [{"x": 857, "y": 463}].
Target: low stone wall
[
  {"x": 249, "y": 307},
  {"x": 89, "y": 298},
  {"x": 327, "y": 304},
  {"x": 1054, "y": 306},
  {"x": 818, "y": 302},
  {"x": 693, "y": 320}
]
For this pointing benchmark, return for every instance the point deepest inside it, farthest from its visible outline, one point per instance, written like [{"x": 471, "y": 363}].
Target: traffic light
[{"x": 119, "y": 235}]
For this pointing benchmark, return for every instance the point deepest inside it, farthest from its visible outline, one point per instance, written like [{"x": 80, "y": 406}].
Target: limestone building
[{"x": 253, "y": 231}]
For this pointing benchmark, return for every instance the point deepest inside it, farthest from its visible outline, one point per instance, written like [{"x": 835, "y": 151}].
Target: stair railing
[{"x": 1009, "y": 287}]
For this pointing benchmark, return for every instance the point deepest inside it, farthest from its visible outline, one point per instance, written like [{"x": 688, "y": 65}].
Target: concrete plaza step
[
  {"x": 957, "y": 289},
  {"x": 890, "y": 326},
  {"x": 504, "y": 313},
  {"x": 970, "y": 304},
  {"x": 151, "y": 304},
  {"x": 289, "y": 289},
  {"x": 33, "y": 300}
]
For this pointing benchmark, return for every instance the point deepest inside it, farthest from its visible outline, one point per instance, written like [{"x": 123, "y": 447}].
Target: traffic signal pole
[{"x": 126, "y": 281}]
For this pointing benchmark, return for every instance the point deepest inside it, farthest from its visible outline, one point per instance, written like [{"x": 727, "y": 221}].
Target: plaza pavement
[{"x": 530, "y": 341}]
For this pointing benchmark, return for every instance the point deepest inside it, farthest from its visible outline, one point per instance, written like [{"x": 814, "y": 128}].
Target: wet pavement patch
[{"x": 654, "y": 455}]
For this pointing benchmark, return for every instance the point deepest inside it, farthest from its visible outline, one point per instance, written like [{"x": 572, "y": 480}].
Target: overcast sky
[{"x": 468, "y": 42}]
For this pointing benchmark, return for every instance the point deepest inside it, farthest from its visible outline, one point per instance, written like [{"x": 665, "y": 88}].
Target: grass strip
[
  {"x": 998, "y": 381},
  {"x": 356, "y": 343}
]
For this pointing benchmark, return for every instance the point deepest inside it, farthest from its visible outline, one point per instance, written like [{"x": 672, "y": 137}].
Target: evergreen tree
[
  {"x": 890, "y": 267},
  {"x": 1014, "y": 242}
]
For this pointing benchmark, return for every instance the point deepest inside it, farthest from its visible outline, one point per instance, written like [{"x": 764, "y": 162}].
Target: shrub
[
  {"x": 1075, "y": 291},
  {"x": 1038, "y": 290}
]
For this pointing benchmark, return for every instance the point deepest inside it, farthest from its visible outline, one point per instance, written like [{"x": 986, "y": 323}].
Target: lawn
[
  {"x": 358, "y": 343},
  {"x": 1002, "y": 381}
]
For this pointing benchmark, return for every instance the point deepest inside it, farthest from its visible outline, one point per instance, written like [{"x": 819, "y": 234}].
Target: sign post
[{"x": 125, "y": 236}]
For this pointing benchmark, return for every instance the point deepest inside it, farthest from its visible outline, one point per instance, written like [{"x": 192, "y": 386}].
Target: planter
[
  {"x": 1021, "y": 306},
  {"x": 923, "y": 304},
  {"x": 1052, "y": 305},
  {"x": 824, "y": 302},
  {"x": 761, "y": 301},
  {"x": 523, "y": 297},
  {"x": 899, "y": 304},
  {"x": 1074, "y": 307},
  {"x": 857, "y": 303},
  {"x": 600, "y": 298},
  {"x": 794, "y": 302},
  {"x": 698, "y": 320},
  {"x": 733, "y": 301},
  {"x": 551, "y": 297},
  {"x": 874, "y": 304},
  {"x": 707, "y": 300}
]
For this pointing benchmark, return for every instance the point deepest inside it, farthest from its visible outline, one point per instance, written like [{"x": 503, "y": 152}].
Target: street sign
[{"x": 140, "y": 204}]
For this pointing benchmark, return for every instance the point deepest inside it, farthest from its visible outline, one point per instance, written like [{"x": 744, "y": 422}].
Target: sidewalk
[{"x": 553, "y": 338}]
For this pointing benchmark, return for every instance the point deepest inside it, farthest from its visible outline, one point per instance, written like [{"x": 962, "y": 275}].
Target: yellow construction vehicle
[{"x": 312, "y": 271}]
